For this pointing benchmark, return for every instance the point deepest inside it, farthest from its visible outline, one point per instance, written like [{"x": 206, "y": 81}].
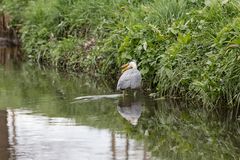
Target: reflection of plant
[
  {"x": 185, "y": 48},
  {"x": 180, "y": 131}
]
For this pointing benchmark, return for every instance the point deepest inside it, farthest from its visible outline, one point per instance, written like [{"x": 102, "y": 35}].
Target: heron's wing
[
  {"x": 136, "y": 79},
  {"x": 129, "y": 79},
  {"x": 124, "y": 81}
]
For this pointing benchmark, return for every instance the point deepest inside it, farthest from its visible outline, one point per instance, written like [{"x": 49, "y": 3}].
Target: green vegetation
[{"x": 186, "y": 48}]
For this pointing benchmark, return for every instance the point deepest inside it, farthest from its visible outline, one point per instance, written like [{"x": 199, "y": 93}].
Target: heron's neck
[{"x": 134, "y": 66}]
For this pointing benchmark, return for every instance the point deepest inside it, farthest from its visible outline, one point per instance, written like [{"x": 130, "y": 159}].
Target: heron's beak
[{"x": 125, "y": 67}]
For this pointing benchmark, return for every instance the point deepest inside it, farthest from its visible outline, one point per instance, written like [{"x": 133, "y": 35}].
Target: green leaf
[
  {"x": 236, "y": 41},
  {"x": 184, "y": 39},
  {"x": 145, "y": 45},
  {"x": 144, "y": 70}
]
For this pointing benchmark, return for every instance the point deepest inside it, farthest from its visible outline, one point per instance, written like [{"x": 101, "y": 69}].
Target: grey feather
[{"x": 130, "y": 79}]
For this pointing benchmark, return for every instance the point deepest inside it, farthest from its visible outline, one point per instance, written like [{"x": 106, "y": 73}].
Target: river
[{"x": 41, "y": 120}]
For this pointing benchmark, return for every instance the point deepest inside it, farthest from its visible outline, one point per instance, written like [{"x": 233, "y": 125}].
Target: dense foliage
[{"x": 187, "y": 48}]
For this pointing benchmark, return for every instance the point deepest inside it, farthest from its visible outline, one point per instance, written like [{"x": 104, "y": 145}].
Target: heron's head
[{"x": 128, "y": 66}]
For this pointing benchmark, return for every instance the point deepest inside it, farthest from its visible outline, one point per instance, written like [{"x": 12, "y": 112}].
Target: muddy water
[{"x": 39, "y": 119}]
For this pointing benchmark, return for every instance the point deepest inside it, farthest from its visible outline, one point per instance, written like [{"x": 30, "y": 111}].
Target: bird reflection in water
[{"x": 130, "y": 108}]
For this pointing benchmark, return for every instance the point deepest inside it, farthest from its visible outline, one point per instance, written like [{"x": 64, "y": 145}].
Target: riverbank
[{"x": 183, "y": 48}]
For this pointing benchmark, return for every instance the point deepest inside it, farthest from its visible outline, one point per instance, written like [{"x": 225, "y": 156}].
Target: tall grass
[{"x": 183, "y": 48}]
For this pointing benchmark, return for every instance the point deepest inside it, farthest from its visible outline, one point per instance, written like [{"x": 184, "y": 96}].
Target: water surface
[{"x": 39, "y": 119}]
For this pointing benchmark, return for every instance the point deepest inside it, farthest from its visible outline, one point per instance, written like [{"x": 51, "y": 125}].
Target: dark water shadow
[
  {"x": 10, "y": 57},
  {"x": 4, "y": 143}
]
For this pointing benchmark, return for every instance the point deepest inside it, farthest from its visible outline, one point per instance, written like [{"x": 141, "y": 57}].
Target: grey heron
[{"x": 131, "y": 77}]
